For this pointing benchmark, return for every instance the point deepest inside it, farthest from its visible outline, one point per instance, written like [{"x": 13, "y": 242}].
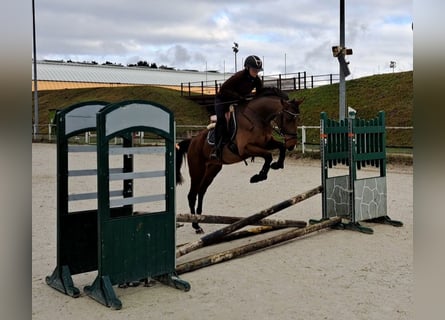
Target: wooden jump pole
[
  {"x": 249, "y": 232},
  {"x": 229, "y": 220},
  {"x": 260, "y": 244},
  {"x": 218, "y": 234},
  {"x": 243, "y": 233}
]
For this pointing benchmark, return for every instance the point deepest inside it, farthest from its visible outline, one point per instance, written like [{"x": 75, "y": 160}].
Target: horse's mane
[{"x": 271, "y": 91}]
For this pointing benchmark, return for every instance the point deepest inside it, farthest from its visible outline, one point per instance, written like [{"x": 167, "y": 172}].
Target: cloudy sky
[{"x": 289, "y": 35}]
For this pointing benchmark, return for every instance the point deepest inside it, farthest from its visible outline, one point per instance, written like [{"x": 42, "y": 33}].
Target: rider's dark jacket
[{"x": 238, "y": 86}]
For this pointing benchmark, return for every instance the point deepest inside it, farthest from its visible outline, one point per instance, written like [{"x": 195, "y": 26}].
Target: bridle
[
  {"x": 281, "y": 130},
  {"x": 273, "y": 119}
]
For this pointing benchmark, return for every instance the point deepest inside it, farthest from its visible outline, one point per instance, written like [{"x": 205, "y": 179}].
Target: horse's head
[{"x": 288, "y": 120}]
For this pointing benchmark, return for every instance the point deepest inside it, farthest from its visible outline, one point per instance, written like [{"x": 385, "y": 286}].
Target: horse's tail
[{"x": 181, "y": 150}]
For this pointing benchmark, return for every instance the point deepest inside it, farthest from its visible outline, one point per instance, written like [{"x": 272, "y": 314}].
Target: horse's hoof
[
  {"x": 257, "y": 178},
  {"x": 277, "y": 165},
  {"x": 199, "y": 231}
]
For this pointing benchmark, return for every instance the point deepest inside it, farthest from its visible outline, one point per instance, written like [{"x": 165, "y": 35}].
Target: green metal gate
[
  {"x": 76, "y": 230},
  {"x": 121, "y": 244},
  {"x": 356, "y": 143}
]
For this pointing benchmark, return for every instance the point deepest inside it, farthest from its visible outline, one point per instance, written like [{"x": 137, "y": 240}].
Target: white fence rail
[
  {"x": 305, "y": 128},
  {"x": 192, "y": 128}
]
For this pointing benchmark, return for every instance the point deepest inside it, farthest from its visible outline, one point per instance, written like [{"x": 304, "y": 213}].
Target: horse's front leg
[
  {"x": 262, "y": 175},
  {"x": 274, "y": 144}
]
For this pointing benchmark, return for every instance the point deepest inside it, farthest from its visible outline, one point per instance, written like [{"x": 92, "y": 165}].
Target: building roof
[{"x": 79, "y": 72}]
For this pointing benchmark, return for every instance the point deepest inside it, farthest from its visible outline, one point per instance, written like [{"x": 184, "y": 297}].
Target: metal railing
[{"x": 288, "y": 81}]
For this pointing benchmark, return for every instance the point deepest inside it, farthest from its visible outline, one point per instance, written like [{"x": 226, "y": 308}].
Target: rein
[{"x": 281, "y": 132}]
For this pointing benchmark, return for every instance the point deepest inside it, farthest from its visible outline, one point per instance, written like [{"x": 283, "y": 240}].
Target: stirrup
[{"x": 215, "y": 154}]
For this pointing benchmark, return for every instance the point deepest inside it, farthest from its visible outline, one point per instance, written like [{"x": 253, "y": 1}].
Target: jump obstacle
[
  {"x": 126, "y": 246},
  {"x": 229, "y": 220},
  {"x": 122, "y": 245},
  {"x": 354, "y": 142},
  {"x": 215, "y": 236}
]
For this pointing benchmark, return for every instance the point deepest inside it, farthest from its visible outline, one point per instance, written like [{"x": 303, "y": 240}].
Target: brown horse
[{"x": 256, "y": 120}]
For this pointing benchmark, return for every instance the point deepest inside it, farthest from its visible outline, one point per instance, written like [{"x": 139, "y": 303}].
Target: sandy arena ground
[{"x": 331, "y": 274}]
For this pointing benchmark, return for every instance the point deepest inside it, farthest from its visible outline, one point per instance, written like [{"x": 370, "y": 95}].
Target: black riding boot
[{"x": 219, "y": 141}]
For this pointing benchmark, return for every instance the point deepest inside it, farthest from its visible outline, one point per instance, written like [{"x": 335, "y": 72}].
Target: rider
[{"x": 236, "y": 88}]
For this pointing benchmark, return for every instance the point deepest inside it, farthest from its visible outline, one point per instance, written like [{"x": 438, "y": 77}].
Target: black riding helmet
[{"x": 253, "y": 62}]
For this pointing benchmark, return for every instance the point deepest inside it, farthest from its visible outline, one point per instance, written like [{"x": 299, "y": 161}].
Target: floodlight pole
[
  {"x": 235, "y": 50},
  {"x": 36, "y": 96},
  {"x": 285, "y": 71},
  {"x": 342, "y": 86}
]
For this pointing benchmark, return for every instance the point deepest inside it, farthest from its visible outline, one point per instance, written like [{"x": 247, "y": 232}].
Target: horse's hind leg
[
  {"x": 211, "y": 172},
  {"x": 195, "y": 181},
  {"x": 192, "y": 202},
  {"x": 199, "y": 184}
]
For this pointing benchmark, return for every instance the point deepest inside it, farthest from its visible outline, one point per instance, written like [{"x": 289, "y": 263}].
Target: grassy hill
[
  {"x": 392, "y": 93},
  {"x": 186, "y": 112}
]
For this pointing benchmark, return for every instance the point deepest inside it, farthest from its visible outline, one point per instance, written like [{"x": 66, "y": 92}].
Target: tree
[{"x": 142, "y": 64}]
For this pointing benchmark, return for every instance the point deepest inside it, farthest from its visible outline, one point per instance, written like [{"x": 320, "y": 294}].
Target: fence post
[
  {"x": 305, "y": 79},
  {"x": 303, "y": 138}
]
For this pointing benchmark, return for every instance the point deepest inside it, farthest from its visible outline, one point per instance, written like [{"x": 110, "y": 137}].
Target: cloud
[{"x": 193, "y": 34}]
